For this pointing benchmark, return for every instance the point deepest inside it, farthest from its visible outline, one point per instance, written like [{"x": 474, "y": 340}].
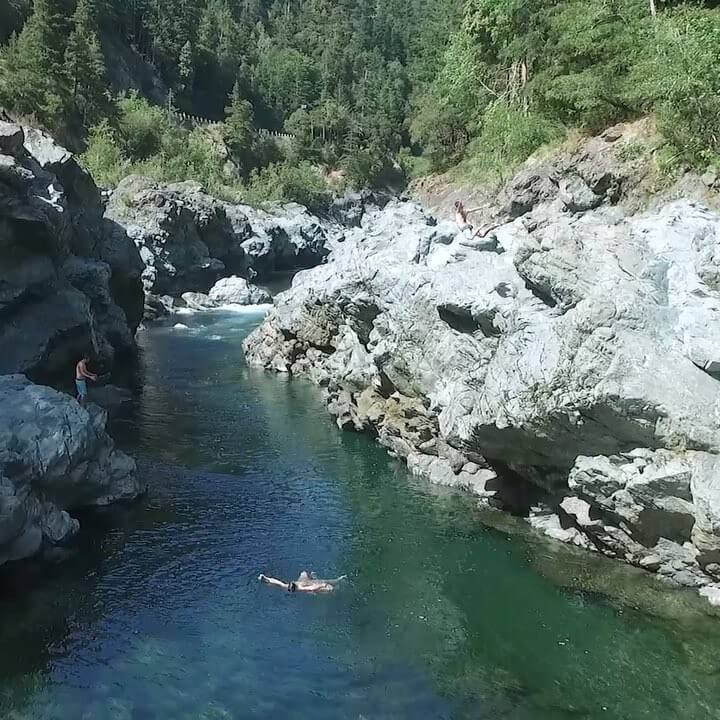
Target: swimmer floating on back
[{"x": 307, "y": 582}]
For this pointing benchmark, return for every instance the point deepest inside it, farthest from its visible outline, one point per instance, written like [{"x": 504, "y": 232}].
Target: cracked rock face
[
  {"x": 69, "y": 279},
  {"x": 528, "y": 368},
  {"x": 54, "y": 456},
  {"x": 188, "y": 240}
]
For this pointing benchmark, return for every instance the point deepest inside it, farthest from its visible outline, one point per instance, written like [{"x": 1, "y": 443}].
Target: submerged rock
[
  {"x": 54, "y": 456},
  {"x": 69, "y": 280},
  {"x": 546, "y": 358}
]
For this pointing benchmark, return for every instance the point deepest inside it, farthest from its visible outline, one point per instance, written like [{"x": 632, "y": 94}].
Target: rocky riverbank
[
  {"x": 564, "y": 368},
  {"x": 54, "y": 454}
]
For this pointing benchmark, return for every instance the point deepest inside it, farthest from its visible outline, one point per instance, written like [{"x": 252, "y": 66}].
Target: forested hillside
[{"x": 360, "y": 82}]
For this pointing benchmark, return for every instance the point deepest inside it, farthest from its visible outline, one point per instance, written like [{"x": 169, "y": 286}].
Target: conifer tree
[
  {"x": 32, "y": 77},
  {"x": 186, "y": 64},
  {"x": 85, "y": 64},
  {"x": 239, "y": 132}
]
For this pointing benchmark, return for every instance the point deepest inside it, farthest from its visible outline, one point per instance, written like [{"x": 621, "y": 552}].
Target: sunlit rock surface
[{"x": 568, "y": 362}]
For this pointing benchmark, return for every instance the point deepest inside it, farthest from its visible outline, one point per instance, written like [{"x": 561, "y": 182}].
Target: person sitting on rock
[
  {"x": 82, "y": 375},
  {"x": 307, "y": 582},
  {"x": 461, "y": 219}
]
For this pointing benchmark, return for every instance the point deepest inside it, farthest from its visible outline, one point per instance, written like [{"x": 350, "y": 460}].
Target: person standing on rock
[{"x": 82, "y": 375}]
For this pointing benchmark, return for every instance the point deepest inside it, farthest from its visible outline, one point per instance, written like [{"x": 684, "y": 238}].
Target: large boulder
[
  {"x": 174, "y": 227},
  {"x": 287, "y": 239},
  {"x": 583, "y": 334},
  {"x": 69, "y": 280},
  {"x": 188, "y": 240},
  {"x": 54, "y": 456},
  {"x": 228, "y": 291},
  {"x": 238, "y": 291}
]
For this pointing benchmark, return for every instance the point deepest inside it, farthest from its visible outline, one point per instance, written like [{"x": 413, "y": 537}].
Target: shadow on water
[{"x": 158, "y": 612}]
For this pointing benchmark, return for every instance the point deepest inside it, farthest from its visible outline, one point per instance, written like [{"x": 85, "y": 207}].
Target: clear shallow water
[{"x": 159, "y": 615}]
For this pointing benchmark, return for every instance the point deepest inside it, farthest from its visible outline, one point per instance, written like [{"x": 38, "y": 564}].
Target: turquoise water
[{"x": 158, "y": 613}]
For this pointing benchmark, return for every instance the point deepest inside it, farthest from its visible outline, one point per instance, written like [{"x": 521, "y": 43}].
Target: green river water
[{"x": 158, "y": 615}]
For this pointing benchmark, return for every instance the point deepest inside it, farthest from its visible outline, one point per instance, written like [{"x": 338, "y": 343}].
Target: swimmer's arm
[
  {"x": 272, "y": 581},
  {"x": 336, "y": 581}
]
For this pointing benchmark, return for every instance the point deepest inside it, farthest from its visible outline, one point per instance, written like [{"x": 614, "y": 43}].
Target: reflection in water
[{"x": 158, "y": 614}]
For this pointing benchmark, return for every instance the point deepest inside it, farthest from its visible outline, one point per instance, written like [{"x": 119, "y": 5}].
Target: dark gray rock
[
  {"x": 174, "y": 226},
  {"x": 69, "y": 282},
  {"x": 350, "y": 209},
  {"x": 12, "y": 138},
  {"x": 157, "y": 306},
  {"x": 528, "y": 189},
  {"x": 189, "y": 240},
  {"x": 577, "y": 196},
  {"x": 54, "y": 455}
]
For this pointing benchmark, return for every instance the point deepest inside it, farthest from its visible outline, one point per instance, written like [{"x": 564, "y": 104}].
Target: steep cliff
[{"x": 70, "y": 280}]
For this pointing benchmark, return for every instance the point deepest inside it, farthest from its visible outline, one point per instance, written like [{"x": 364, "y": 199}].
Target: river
[{"x": 158, "y": 613}]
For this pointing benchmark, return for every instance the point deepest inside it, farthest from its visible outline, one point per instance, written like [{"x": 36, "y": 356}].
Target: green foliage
[
  {"x": 633, "y": 150},
  {"x": 85, "y": 64},
  {"x": 681, "y": 80},
  {"x": 286, "y": 78},
  {"x": 104, "y": 156},
  {"x": 670, "y": 166},
  {"x": 198, "y": 158},
  {"x": 301, "y": 125},
  {"x": 145, "y": 143},
  {"x": 508, "y": 136},
  {"x": 414, "y": 166},
  {"x": 361, "y": 83},
  {"x": 594, "y": 47},
  {"x": 239, "y": 130},
  {"x": 32, "y": 78},
  {"x": 186, "y": 66},
  {"x": 143, "y": 128},
  {"x": 280, "y": 182},
  {"x": 363, "y": 166},
  {"x": 571, "y": 63}
]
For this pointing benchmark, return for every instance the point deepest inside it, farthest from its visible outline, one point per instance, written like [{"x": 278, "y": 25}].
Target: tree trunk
[
  {"x": 653, "y": 8},
  {"x": 523, "y": 86}
]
